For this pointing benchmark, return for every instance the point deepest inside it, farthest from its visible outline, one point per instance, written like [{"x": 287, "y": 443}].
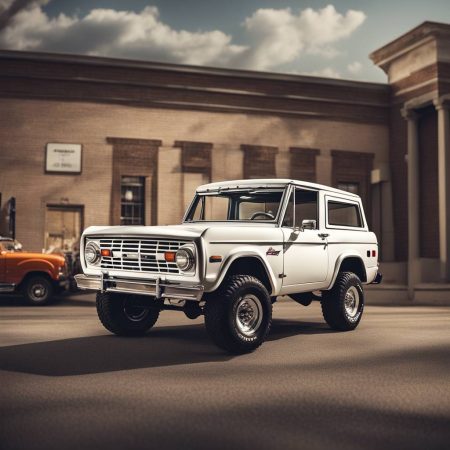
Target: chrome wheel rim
[
  {"x": 38, "y": 292},
  {"x": 351, "y": 302},
  {"x": 249, "y": 315}
]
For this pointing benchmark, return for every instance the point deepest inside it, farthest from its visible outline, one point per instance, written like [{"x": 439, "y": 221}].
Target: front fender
[
  {"x": 36, "y": 265},
  {"x": 213, "y": 280}
]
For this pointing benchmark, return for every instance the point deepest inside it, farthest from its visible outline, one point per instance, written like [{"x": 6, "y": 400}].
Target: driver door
[{"x": 305, "y": 248}]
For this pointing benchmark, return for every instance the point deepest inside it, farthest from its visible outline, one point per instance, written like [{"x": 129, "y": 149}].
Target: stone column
[
  {"x": 442, "y": 108},
  {"x": 413, "y": 200}
]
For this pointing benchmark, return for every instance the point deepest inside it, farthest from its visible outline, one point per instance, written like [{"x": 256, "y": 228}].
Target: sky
[{"x": 321, "y": 38}]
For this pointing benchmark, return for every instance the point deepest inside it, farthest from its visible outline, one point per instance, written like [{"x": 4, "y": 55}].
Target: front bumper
[{"x": 158, "y": 287}]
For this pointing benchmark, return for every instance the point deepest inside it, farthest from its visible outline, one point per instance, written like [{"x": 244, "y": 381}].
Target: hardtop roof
[{"x": 270, "y": 182}]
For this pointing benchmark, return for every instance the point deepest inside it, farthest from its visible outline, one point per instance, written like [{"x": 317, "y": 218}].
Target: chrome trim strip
[
  {"x": 247, "y": 241},
  {"x": 156, "y": 288}
]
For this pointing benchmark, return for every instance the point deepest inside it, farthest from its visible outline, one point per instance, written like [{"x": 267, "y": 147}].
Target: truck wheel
[
  {"x": 239, "y": 315},
  {"x": 343, "y": 305},
  {"x": 118, "y": 315},
  {"x": 37, "y": 290}
]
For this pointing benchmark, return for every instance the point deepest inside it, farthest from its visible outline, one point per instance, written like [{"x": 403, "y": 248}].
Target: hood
[
  {"x": 54, "y": 259},
  {"x": 188, "y": 231},
  {"x": 168, "y": 231}
]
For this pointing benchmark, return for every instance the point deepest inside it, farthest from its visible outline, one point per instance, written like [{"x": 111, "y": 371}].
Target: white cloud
[
  {"x": 274, "y": 37},
  {"x": 354, "y": 67}
]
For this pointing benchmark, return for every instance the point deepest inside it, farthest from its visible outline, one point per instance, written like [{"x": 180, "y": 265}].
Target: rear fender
[{"x": 339, "y": 262}]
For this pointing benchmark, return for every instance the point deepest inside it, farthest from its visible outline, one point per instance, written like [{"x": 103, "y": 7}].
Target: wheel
[
  {"x": 239, "y": 315},
  {"x": 38, "y": 290},
  {"x": 118, "y": 315},
  {"x": 343, "y": 305}
]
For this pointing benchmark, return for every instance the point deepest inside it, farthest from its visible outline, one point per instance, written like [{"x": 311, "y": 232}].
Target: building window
[
  {"x": 303, "y": 163},
  {"x": 259, "y": 161},
  {"x": 349, "y": 187},
  {"x": 132, "y": 203}
]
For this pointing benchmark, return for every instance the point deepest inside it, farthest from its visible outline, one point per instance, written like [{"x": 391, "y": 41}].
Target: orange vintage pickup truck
[{"x": 36, "y": 275}]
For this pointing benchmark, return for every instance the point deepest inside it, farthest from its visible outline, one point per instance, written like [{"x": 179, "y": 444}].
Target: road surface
[{"x": 66, "y": 383}]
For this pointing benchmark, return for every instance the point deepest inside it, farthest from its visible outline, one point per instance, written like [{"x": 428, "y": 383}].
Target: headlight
[
  {"x": 92, "y": 253},
  {"x": 184, "y": 259}
]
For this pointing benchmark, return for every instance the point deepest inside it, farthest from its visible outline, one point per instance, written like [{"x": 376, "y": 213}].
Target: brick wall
[{"x": 27, "y": 125}]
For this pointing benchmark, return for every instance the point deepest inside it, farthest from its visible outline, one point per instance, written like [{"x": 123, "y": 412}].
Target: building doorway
[{"x": 63, "y": 226}]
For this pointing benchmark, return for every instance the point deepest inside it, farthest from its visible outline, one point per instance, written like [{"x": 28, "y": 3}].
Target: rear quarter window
[{"x": 344, "y": 214}]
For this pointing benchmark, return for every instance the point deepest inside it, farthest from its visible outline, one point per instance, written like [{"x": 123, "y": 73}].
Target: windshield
[{"x": 259, "y": 205}]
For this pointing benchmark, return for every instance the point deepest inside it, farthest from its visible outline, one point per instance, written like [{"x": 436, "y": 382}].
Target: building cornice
[{"x": 414, "y": 38}]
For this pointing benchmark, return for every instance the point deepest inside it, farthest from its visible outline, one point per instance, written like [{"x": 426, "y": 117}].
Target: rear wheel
[
  {"x": 343, "y": 305},
  {"x": 120, "y": 315},
  {"x": 38, "y": 290},
  {"x": 239, "y": 315}
]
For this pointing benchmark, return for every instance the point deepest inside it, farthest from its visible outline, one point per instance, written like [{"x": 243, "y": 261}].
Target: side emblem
[{"x": 272, "y": 252}]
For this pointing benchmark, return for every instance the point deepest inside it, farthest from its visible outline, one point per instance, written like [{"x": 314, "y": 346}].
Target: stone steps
[{"x": 397, "y": 294}]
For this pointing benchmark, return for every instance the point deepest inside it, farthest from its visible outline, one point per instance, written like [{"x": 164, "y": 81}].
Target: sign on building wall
[{"x": 65, "y": 158}]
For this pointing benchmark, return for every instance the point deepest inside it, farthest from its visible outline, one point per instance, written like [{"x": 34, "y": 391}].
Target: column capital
[
  {"x": 442, "y": 102},
  {"x": 409, "y": 114}
]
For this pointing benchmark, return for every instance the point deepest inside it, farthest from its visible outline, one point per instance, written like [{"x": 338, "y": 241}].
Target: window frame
[
  {"x": 349, "y": 202},
  {"x": 200, "y": 196},
  {"x": 142, "y": 203},
  {"x": 292, "y": 189}
]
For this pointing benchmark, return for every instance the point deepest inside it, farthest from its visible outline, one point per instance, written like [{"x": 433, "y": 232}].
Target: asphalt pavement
[{"x": 66, "y": 383}]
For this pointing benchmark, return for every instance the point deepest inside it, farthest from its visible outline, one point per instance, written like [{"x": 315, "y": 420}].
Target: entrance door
[
  {"x": 305, "y": 251},
  {"x": 63, "y": 227}
]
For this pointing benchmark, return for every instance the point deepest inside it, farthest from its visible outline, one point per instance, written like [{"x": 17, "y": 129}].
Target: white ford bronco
[{"x": 241, "y": 244}]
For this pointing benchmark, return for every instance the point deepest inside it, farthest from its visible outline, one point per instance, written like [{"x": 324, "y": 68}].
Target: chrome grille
[{"x": 140, "y": 255}]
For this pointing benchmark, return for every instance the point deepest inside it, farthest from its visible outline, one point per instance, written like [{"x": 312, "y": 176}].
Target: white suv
[{"x": 241, "y": 244}]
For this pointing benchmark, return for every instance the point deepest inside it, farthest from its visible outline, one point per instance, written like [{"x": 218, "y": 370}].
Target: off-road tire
[
  {"x": 38, "y": 290},
  {"x": 333, "y": 302},
  {"x": 221, "y": 312},
  {"x": 111, "y": 310}
]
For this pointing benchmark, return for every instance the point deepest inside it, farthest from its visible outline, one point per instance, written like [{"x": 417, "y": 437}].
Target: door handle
[{"x": 323, "y": 235}]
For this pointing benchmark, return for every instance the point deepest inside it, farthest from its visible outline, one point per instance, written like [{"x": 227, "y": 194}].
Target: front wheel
[
  {"x": 38, "y": 290},
  {"x": 239, "y": 315},
  {"x": 343, "y": 305},
  {"x": 121, "y": 316}
]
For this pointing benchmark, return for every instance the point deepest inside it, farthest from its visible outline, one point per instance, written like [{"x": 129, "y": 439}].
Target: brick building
[{"x": 141, "y": 136}]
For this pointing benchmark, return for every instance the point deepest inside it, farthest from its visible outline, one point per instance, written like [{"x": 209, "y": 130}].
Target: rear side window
[{"x": 344, "y": 214}]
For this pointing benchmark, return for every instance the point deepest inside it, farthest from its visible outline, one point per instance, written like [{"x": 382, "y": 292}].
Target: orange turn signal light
[
  {"x": 215, "y": 259},
  {"x": 105, "y": 252},
  {"x": 169, "y": 256}
]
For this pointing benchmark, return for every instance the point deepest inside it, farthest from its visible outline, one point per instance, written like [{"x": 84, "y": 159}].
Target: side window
[
  {"x": 344, "y": 214},
  {"x": 305, "y": 208}
]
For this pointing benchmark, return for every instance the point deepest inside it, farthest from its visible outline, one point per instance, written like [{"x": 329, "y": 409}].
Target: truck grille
[{"x": 140, "y": 255}]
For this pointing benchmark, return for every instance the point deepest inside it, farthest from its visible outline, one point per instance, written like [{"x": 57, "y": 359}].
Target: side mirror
[{"x": 309, "y": 224}]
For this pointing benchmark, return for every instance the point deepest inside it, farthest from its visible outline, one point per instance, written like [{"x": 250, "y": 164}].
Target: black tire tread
[
  {"x": 216, "y": 314},
  {"x": 332, "y": 302},
  {"x": 50, "y": 289},
  {"x": 113, "y": 322}
]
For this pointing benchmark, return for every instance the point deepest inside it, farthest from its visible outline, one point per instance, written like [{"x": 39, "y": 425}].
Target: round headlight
[
  {"x": 184, "y": 259},
  {"x": 92, "y": 253}
]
